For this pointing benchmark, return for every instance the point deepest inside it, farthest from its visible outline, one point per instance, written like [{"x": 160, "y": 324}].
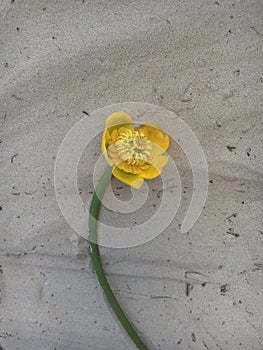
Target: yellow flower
[{"x": 134, "y": 152}]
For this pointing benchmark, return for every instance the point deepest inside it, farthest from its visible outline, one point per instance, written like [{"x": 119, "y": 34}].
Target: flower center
[{"x": 133, "y": 147}]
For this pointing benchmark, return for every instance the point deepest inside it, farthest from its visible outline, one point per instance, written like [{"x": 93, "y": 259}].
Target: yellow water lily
[{"x": 135, "y": 153}]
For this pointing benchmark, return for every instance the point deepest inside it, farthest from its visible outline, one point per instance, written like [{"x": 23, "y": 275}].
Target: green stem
[{"x": 95, "y": 256}]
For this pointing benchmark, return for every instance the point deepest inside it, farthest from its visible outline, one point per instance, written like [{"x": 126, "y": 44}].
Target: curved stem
[{"x": 95, "y": 256}]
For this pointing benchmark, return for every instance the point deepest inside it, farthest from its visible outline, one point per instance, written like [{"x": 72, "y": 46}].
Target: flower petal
[
  {"x": 155, "y": 135},
  {"x": 103, "y": 141},
  {"x": 117, "y": 119},
  {"x": 129, "y": 179},
  {"x": 104, "y": 149},
  {"x": 155, "y": 168}
]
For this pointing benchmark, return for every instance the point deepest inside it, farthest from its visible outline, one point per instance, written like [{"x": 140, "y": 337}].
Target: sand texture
[{"x": 203, "y": 60}]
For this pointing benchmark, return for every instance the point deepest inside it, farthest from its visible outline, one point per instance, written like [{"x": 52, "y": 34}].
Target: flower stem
[{"x": 95, "y": 256}]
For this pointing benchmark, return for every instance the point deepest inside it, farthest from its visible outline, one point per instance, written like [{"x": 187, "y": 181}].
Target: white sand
[{"x": 202, "y": 59}]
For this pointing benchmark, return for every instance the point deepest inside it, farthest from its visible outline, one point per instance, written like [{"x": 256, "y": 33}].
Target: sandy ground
[{"x": 202, "y": 59}]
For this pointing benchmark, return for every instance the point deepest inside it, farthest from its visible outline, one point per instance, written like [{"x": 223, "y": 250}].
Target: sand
[{"x": 202, "y": 59}]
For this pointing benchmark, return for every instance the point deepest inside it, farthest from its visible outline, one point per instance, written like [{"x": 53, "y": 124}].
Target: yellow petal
[
  {"x": 155, "y": 135},
  {"x": 129, "y": 179},
  {"x": 155, "y": 167},
  {"x": 117, "y": 119},
  {"x": 104, "y": 149},
  {"x": 108, "y": 159},
  {"x": 103, "y": 141}
]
